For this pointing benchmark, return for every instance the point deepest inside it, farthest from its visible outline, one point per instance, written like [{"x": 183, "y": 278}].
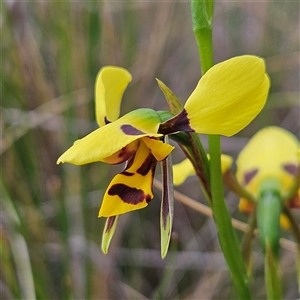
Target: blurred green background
[{"x": 50, "y": 232}]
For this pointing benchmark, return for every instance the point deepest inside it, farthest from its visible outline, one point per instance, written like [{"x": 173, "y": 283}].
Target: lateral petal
[
  {"x": 182, "y": 171},
  {"x": 111, "y": 83},
  {"x": 185, "y": 168},
  {"x": 111, "y": 138},
  {"x": 158, "y": 148},
  {"x": 131, "y": 189},
  {"x": 229, "y": 96}
]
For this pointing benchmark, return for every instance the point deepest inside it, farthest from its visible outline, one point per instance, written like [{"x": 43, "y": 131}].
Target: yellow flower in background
[
  {"x": 227, "y": 98},
  {"x": 131, "y": 138},
  {"x": 271, "y": 153},
  {"x": 184, "y": 169}
]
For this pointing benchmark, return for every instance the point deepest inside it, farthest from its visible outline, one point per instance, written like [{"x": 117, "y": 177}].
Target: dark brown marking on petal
[
  {"x": 180, "y": 122},
  {"x": 248, "y": 176},
  {"x": 130, "y": 130},
  {"x": 130, "y": 162},
  {"x": 148, "y": 164},
  {"x": 110, "y": 223},
  {"x": 127, "y": 173},
  {"x": 148, "y": 198},
  {"x": 291, "y": 168},
  {"x": 129, "y": 194},
  {"x": 106, "y": 121},
  {"x": 125, "y": 153}
]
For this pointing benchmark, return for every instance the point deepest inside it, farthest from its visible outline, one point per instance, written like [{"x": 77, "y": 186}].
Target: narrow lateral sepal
[
  {"x": 167, "y": 205},
  {"x": 108, "y": 232}
]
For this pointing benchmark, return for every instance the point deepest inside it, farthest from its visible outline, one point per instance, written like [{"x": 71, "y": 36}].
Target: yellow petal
[
  {"x": 246, "y": 206},
  {"x": 111, "y": 138},
  {"x": 228, "y": 96},
  {"x": 271, "y": 153},
  {"x": 159, "y": 149},
  {"x": 185, "y": 168},
  {"x": 122, "y": 155},
  {"x": 182, "y": 171},
  {"x": 226, "y": 162},
  {"x": 285, "y": 222},
  {"x": 131, "y": 189},
  {"x": 110, "y": 85}
]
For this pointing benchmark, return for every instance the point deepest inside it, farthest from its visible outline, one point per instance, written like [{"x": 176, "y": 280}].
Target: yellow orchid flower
[
  {"x": 271, "y": 153},
  {"x": 185, "y": 168},
  {"x": 131, "y": 138},
  {"x": 227, "y": 98}
]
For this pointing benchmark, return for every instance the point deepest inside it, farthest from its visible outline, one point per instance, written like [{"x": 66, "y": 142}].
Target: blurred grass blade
[
  {"x": 167, "y": 205},
  {"x": 19, "y": 249},
  {"x": 246, "y": 244},
  {"x": 298, "y": 267},
  {"x": 272, "y": 278},
  {"x": 108, "y": 232}
]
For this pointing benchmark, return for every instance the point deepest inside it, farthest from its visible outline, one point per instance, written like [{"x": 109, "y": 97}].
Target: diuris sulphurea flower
[
  {"x": 268, "y": 169},
  {"x": 225, "y": 100},
  {"x": 271, "y": 153},
  {"x": 133, "y": 138}
]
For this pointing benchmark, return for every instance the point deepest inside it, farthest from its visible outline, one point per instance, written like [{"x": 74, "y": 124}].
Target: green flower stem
[
  {"x": 272, "y": 277},
  {"x": 202, "y": 18},
  {"x": 227, "y": 236}
]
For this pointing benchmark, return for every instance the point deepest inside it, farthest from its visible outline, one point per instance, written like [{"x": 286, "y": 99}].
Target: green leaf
[
  {"x": 108, "y": 232},
  {"x": 167, "y": 205}
]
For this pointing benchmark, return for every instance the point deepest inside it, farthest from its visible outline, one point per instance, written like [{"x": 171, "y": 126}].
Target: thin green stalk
[
  {"x": 202, "y": 17},
  {"x": 272, "y": 276},
  {"x": 227, "y": 236}
]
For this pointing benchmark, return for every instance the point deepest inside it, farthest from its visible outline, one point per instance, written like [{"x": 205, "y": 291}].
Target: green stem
[
  {"x": 272, "y": 276},
  {"x": 202, "y": 18},
  {"x": 227, "y": 236}
]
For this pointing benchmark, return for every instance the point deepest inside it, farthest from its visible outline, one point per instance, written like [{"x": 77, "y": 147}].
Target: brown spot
[
  {"x": 125, "y": 153},
  {"x": 127, "y": 173},
  {"x": 291, "y": 168},
  {"x": 248, "y": 176},
  {"x": 106, "y": 121},
  {"x": 130, "y": 130},
  {"x": 148, "y": 164},
  {"x": 180, "y": 122},
  {"x": 128, "y": 194}
]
